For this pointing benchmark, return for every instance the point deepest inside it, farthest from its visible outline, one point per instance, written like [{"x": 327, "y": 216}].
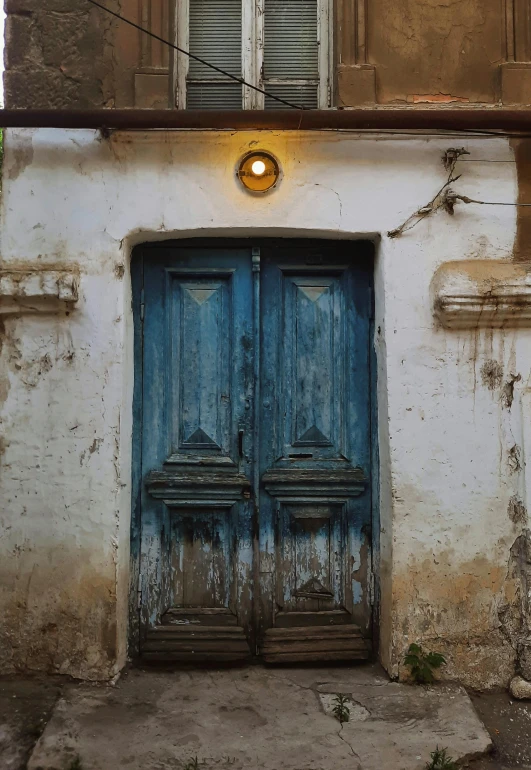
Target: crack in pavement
[
  {"x": 356, "y": 756},
  {"x": 284, "y": 678}
]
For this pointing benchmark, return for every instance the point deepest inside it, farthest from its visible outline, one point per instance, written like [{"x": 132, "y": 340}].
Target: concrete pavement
[{"x": 257, "y": 717}]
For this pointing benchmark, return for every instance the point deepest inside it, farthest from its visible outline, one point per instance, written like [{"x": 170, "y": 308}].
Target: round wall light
[{"x": 258, "y": 171}]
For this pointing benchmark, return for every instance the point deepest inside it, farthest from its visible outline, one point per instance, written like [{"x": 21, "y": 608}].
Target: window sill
[
  {"x": 481, "y": 293},
  {"x": 42, "y": 291}
]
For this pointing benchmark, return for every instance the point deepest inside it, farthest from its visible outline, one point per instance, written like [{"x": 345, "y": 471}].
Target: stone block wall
[{"x": 55, "y": 55}]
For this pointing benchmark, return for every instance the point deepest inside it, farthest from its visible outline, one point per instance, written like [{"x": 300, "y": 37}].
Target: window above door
[{"x": 279, "y": 46}]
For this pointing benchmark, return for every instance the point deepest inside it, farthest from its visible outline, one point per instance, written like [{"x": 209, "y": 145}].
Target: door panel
[
  {"x": 311, "y": 347},
  {"x": 315, "y": 506},
  {"x": 201, "y": 559},
  {"x": 310, "y": 568},
  {"x": 201, "y": 372},
  {"x": 256, "y": 506},
  {"x": 196, "y": 544}
]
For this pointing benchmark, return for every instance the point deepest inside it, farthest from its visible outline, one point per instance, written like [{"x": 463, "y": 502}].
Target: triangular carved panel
[
  {"x": 313, "y": 292},
  {"x": 201, "y": 295},
  {"x": 313, "y": 436},
  {"x": 313, "y": 588},
  {"x": 199, "y": 437}
]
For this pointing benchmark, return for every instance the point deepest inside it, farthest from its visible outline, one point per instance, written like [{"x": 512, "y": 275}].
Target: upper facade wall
[
  {"x": 67, "y": 53},
  {"x": 55, "y": 54}
]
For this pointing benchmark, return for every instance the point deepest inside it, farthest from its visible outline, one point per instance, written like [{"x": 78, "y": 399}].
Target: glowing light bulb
[{"x": 258, "y": 167}]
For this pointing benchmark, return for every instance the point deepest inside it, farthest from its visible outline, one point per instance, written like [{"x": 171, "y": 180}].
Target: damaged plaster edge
[
  {"x": 482, "y": 293},
  {"x": 524, "y": 393},
  {"x": 38, "y": 291}
]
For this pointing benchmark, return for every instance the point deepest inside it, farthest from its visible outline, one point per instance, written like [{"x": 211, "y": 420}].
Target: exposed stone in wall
[
  {"x": 515, "y": 616},
  {"x": 56, "y": 54}
]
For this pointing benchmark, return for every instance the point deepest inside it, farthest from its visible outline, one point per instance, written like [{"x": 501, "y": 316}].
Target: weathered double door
[{"x": 255, "y": 451}]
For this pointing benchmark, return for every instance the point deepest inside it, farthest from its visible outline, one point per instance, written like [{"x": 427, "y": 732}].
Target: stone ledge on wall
[
  {"x": 516, "y": 83},
  {"x": 482, "y": 293},
  {"x": 356, "y": 85},
  {"x": 37, "y": 291}
]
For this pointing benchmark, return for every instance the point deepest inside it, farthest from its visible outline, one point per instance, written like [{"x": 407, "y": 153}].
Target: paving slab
[
  {"x": 257, "y": 717},
  {"x": 25, "y": 707},
  {"x": 509, "y": 724}
]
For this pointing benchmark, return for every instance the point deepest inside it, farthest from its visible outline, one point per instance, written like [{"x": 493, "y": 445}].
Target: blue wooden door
[
  {"x": 255, "y": 501},
  {"x": 196, "y": 543},
  {"x": 315, "y": 502}
]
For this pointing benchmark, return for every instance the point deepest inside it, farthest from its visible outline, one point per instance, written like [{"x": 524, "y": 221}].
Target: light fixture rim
[{"x": 259, "y": 154}]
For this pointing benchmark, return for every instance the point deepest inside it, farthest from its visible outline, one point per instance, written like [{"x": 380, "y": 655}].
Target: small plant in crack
[
  {"x": 341, "y": 710},
  {"x": 192, "y": 764},
  {"x": 75, "y": 763},
  {"x": 440, "y": 761},
  {"x": 423, "y": 664}
]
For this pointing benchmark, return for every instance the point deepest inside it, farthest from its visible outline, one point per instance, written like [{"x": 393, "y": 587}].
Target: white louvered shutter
[
  {"x": 291, "y": 52},
  {"x": 215, "y": 34}
]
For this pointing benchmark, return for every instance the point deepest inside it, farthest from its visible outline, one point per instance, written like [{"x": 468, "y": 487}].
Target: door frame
[{"x": 365, "y": 250}]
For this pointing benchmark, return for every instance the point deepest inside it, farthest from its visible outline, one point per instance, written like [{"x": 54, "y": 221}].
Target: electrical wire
[
  {"x": 193, "y": 56},
  {"x": 466, "y": 199}
]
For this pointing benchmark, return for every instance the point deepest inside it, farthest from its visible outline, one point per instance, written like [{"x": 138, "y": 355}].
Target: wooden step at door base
[
  {"x": 315, "y": 644},
  {"x": 200, "y": 616},
  {"x": 167, "y": 643}
]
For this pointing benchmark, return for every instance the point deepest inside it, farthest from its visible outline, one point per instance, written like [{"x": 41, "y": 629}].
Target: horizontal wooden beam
[{"x": 382, "y": 119}]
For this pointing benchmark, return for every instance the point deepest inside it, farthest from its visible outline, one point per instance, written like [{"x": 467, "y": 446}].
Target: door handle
[{"x": 241, "y": 434}]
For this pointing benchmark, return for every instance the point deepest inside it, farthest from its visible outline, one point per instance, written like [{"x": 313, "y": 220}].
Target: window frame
[{"x": 252, "y": 54}]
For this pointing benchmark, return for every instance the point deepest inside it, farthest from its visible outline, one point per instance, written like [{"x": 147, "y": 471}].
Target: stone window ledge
[
  {"x": 516, "y": 83},
  {"x": 37, "y": 291},
  {"x": 482, "y": 293}
]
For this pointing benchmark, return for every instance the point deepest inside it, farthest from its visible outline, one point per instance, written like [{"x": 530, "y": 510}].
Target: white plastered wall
[{"x": 73, "y": 199}]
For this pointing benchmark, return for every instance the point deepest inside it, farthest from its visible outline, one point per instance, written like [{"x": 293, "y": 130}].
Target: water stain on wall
[
  {"x": 68, "y": 628},
  {"x": 522, "y": 244},
  {"x": 451, "y": 608}
]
